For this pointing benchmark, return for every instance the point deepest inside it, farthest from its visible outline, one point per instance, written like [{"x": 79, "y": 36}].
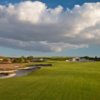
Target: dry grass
[{"x": 12, "y": 66}]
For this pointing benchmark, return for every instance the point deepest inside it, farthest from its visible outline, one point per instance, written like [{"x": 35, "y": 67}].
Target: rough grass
[
  {"x": 12, "y": 66},
  {"x": 63, "y": 81}
]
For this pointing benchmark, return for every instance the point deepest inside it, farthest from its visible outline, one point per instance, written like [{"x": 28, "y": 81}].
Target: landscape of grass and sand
[
  {"x": 49, "y": 49},
  {"x": 62, "y": 81}
]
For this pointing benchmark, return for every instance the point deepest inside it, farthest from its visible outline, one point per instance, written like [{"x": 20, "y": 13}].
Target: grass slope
[{"x": 63, "y": 81}]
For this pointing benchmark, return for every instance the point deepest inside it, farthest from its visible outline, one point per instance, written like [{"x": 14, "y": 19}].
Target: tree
[{"x": 30, "y": 58}]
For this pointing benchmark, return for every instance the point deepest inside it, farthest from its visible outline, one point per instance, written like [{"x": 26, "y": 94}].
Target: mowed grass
[{"x": 63, "y": 81}]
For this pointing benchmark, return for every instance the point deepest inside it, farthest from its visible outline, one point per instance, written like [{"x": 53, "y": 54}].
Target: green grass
[{"x": 63, "y": 81}]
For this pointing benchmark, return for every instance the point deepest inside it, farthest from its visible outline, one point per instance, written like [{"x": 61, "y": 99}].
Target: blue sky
[
  {"x": 92, "y": 50},
  {"x": 53, "y": 3}
]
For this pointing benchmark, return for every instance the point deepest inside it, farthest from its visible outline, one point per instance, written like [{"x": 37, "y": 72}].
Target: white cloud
[{"x": 33, "y": 26}]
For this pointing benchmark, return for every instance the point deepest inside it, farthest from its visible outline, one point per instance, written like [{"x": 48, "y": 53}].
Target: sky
[{"x": 50, "y": 27}]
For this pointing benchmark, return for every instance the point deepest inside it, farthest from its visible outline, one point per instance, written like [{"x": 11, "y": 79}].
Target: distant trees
[
  {"x": 23, "y": 59},
  {"x": 57, "y": 58},
  {"x": 30, "y": 58},
  {"x": 19, "y": 60},
  {"x": 6, "y": 60},
  {"x": 92, "y": 58}
]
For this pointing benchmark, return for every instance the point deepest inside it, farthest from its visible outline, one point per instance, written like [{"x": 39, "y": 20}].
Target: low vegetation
[
  {"x": 13, "y": 66},
  {"x": 63, "y": 81}
]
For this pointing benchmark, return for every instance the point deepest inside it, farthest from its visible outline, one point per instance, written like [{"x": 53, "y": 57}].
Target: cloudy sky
[{"x": 50, "y": 27}]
